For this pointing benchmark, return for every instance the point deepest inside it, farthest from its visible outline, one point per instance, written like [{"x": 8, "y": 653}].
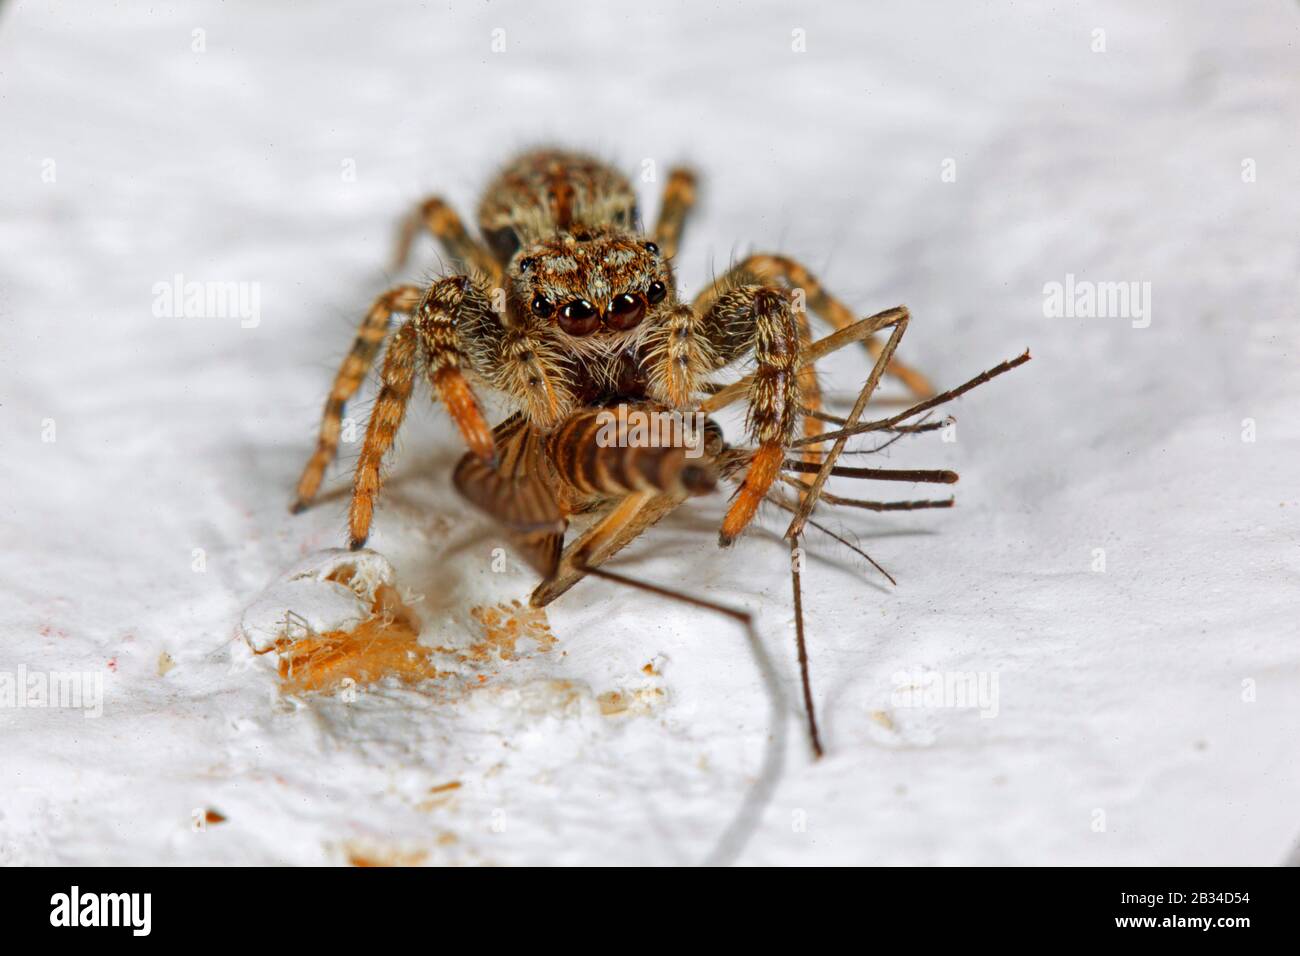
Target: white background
[{"x": 1126, "y": 731}]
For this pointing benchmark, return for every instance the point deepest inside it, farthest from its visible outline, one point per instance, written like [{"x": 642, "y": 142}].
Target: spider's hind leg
[
  {"x": 445, "y": 225},
  {"x": 679, "y": 197}
]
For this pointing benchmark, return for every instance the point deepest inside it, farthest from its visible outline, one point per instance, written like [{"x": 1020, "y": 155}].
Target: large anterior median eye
[
  {"x": 579, "y": 317},
  {"x": 625, "y": 311}
]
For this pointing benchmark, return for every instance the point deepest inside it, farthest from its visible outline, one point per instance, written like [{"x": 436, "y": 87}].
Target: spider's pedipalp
[{"x": 677, "y": 353}]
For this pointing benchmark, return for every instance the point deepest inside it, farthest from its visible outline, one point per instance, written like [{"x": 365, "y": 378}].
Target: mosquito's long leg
[
  {"x": 760, "y": 794},
  {"x": 932, "y": 476},
  {"x": 782, "y": 503},
  {"x": 902, "y": 429},
  {"x": 801, "y": 646},
  {"x": 831, "y": 499},
  {"x": 744, "y": 617},
  {"x": 862, "y": 329},
  {"x": 746, "y": 620},
  {"x": 888, "y": 423},
  {"x": 809, "y": 501}
]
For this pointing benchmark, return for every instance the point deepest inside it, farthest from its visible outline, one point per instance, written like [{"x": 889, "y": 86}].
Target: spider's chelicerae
[{"x": 565, "y": 304}]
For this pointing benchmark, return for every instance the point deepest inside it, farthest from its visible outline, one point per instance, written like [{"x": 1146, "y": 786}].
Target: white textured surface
[{"x": 1119, "y": 691}]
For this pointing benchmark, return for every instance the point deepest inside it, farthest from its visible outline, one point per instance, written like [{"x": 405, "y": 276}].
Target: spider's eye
[
  {"x": 579, "y": 309},
  {"x": 652, "y": 248},
  {"x": 527, "y": 263},
  {"x": 656, "y": 292},
  {"x": 579, "y": 317},
  {"x": 625, "y": 311},
  {"x": 542, "y": 306}
]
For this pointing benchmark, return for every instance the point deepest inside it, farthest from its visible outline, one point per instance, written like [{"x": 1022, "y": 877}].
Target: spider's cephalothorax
[
  {"x": 565, "y": 305},
  {"x": 543, "y": 193}
]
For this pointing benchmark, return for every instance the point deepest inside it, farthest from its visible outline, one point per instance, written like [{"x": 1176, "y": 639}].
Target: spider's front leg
[
  {"x": 766, "y": 268},
  {"x": 759, "y": 319},
  {"x": 431, "y": 338},
  {"x": 366, "y": 345}
]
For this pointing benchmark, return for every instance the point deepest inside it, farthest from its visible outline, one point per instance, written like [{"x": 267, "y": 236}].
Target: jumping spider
[
  {"x": 566, "y": 309},
  {"x": 565, "y": 305}
]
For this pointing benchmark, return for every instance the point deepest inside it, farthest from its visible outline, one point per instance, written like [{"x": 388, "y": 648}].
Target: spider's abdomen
[{"x": 548, "y": 191}]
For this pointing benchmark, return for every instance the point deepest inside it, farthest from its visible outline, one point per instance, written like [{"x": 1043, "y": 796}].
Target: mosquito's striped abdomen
[{"x": 599, "y": 454}]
